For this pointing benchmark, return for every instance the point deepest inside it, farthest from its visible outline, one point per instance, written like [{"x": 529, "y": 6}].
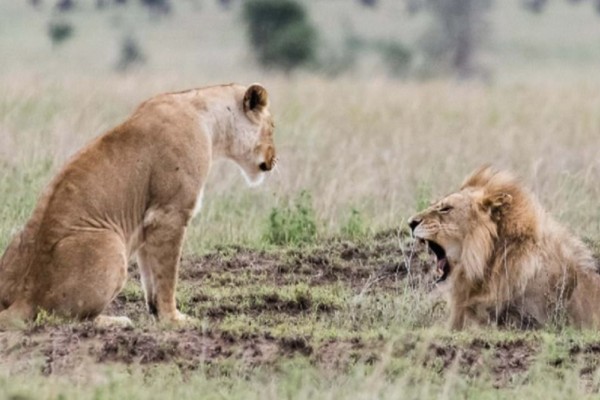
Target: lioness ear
[
  {"x": 497, "y": 203},
  {"x": 256, "y": 98}
]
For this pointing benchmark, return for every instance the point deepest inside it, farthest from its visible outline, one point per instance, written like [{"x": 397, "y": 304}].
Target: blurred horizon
[{"x": 204, "y": 42}]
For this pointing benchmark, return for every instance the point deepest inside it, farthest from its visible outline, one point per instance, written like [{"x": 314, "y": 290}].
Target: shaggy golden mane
[{"x": 504, "y": 258}]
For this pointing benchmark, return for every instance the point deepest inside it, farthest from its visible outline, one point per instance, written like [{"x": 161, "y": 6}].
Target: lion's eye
[{"x": 445, "y": 209}]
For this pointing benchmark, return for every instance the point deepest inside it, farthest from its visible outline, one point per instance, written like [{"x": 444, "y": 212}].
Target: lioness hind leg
[{"x": 87, "y": 272}]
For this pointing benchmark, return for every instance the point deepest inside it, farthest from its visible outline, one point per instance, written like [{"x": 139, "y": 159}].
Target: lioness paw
[{"x": 178, "y": 319}]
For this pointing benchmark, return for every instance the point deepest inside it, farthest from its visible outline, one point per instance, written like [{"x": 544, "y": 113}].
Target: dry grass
[{"x": 381, "y": 147}]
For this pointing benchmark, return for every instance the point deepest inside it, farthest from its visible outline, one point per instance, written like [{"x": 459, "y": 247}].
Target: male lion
[
  {"x": 504, "y": 258},
  {"x": 132, "y": 191}
]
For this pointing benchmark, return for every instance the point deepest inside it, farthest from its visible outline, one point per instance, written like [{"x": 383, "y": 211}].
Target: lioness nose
[
  {"x": 413, "y": 223},
  {"x": 263, "y": 166}
]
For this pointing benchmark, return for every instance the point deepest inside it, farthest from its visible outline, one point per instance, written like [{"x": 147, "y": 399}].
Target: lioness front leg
[
  {"x": 148, "y": 283},
  {"x": 164, "y": 230}
]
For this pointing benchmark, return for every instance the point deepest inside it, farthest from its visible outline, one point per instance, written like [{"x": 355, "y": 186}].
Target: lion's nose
[
  {"x": 263, "y": 166},
  {"x": 413, "y": 223}
]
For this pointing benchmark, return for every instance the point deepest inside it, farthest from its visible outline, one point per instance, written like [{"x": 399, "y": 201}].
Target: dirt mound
[
  {"x": 384, "y": 257},
  {"x": 259, "y": 307},
  {"x": 501, "y": 360},
  {"x": 65, "y": 349},
  {"x": 380, "y": 263}
]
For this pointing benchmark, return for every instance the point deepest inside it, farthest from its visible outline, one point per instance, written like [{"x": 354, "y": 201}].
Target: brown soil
[
  {"x": 380, "y": 264},
  {"x": 67, "y": 349}
]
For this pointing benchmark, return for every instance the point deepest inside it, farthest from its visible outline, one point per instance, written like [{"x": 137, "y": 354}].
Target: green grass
[
  {"x": 389, "y": 342},
  {"x": 405, "y": 367},
  {"x": 287, "y": 334}
]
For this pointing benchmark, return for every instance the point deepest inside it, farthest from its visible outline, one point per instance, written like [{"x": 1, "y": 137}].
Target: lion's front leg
[
  {"x": 458, "y": 316},
  {"x": 462, "y": 313},
  {"x": 159, "y": 256}
]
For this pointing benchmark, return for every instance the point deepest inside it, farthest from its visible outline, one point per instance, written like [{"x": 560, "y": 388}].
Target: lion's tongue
[{"x": 441, "y": 265}]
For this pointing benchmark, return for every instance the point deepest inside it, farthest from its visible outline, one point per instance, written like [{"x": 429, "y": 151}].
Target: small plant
[
  {"x": 302, "y": 296},
  {"x": 355, "y": 225},
  {"x": 132, "y": 292},
  {"x": 185, "y": 302},
  {"x": 44, "y": 318},
  {"x": 423, "y": 196},
  {"x": 280, "y": 33},
  {"x": 292, "y": 225}
]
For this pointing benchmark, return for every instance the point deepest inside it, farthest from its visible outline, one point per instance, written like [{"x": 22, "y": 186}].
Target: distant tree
[
  {"x": 59, "y": 31},
  {"x": 459, "y": 30},
  {"x": 536, "y": 6},
  {"x": 131, "y": 54},
  {"x": 368, "y": 3},
  {"x": 225, "y": 4},
  {"x": 396, "y": 57},
  {"x": 65, "y": 5},
  {"x": 280, "y": 33},
  {"x": 158, "y": 6}
]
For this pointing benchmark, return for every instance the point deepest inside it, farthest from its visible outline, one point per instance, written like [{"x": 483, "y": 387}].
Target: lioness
[
  {"x": 132, "y": 191},
  {"x": 502, "y": 256}
]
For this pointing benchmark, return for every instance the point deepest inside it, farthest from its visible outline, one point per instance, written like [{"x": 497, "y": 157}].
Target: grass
[
  {"x": 305, "y": 287},
  {"x": 353, "y": 148},
  {"x": 298, "y": 323},
  {"x": 406, "y": 367}
]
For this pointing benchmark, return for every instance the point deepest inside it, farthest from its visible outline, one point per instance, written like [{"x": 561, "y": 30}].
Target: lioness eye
[{"x": 445, "y": 209}]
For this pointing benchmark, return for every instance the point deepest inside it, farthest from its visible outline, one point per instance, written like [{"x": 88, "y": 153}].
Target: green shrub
[
  {"x": 295, "y": 224},
  {"x": 423, "y": 196},
  {"x": 355, "y": 225},
  {"x": 280, "y": 33}
]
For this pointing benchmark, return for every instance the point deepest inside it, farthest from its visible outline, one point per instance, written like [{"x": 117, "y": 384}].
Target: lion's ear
[
  {"x": 497, "y": 203},
  {"x": 256, "y": 98}
]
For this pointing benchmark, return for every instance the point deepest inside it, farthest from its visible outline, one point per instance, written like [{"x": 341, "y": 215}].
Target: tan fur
[
  {"x": 132, "y": 191},
  {"x": 509, "y": 260}
]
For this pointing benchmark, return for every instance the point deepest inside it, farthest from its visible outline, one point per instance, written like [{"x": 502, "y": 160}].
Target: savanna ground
[{"x": 309, "y": 286}]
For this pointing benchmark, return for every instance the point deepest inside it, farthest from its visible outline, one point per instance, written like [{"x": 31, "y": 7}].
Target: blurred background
[
  {"x": 380, "y": 105},
  {"x": 215, "y": 40}
]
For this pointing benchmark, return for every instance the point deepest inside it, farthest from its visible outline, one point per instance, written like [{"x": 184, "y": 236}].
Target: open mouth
[{"x": 443, "y": 265}]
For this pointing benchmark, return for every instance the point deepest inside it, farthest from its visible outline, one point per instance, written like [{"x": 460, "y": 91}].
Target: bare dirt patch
[
  {"x": 69, "y": 349},
  {"x": 382, "y": 263}
]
